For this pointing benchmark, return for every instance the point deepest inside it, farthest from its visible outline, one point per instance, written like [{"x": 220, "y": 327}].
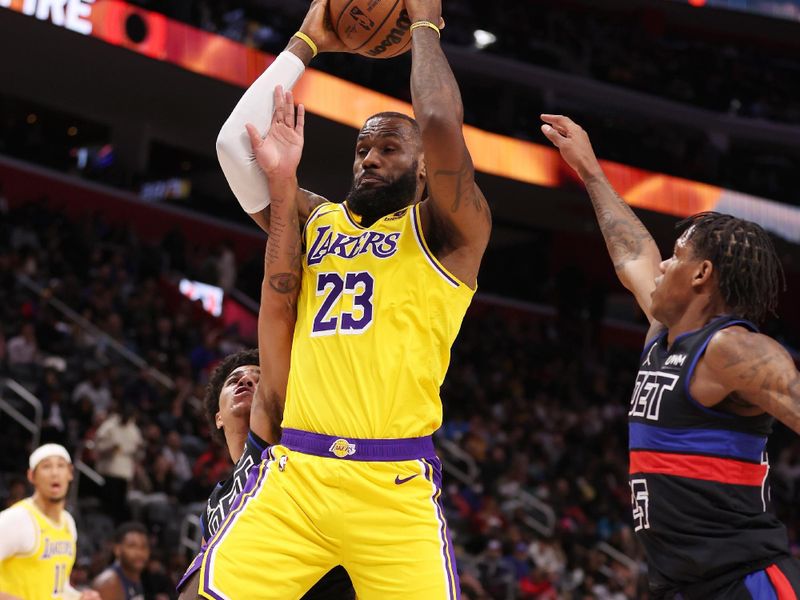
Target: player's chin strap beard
[{"x": 370, "y": 204}]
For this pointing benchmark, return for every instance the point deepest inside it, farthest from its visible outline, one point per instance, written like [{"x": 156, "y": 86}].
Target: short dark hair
[
  {"x": 215, "y": 383},
  {"x": 390, "y": 114},
  {"x": 126, "y": 528},
  {"x": 748, "y": 269}
]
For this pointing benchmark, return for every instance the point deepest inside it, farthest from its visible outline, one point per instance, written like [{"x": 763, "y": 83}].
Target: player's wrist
[
  {"x": 301, "y": 49},
  {"x": 591, "y": 173},
  {"x": 425, "y": 27}
]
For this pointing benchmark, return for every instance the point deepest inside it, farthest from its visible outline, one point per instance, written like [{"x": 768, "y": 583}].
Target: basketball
[{"x": 373, "y": 28}]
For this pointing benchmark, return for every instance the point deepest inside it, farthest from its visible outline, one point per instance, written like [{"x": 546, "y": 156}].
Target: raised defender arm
[
  {"x": 278, "y": 155},
  {"x": 456, "y": 215},
  {"x": 631, "y": 247},
  {"x": 234, "y": 151}
]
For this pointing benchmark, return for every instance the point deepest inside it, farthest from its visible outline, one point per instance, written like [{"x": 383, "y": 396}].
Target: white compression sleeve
[
  {"x": 17, "y": 532},
  {"x": 235, "y": 155}
]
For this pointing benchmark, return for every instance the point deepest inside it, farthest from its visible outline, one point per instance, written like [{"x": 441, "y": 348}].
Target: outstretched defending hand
[
  {"x": 317, "y": 26},
  {"x": 279, "y": 153},
  {"x": 573, "y": 143}
]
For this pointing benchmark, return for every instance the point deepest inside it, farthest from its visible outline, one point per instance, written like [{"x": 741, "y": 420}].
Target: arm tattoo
[
  {"x": 622, "y": 230},
  {"x": 459, "y": 209},
  {"x": 277, "y": 227},
  {"x": 766, "y": 376},
  {"x": 284, "y": 283},
  {"x": 465, "y": 193},
  {"x": 284, "y": 253}
]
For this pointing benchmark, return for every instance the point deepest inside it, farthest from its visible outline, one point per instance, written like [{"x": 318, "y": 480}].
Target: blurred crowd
[{"x": 534, "y": 438}]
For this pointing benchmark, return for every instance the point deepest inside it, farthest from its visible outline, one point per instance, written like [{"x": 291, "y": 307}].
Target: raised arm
[
  {"x": 235, "y": 154},
  {"x": 456, "y": 216},
  {"x": 278, "y": 155},
  {"x": 631, "y": 247}
]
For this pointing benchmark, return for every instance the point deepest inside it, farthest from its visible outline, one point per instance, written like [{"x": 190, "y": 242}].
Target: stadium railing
[
  {"x": 34, "y": 426},
  {"x": 133, "y": 358}
]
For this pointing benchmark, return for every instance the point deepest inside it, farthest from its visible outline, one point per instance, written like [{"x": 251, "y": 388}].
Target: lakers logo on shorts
[{"x": 341, "y": 448}]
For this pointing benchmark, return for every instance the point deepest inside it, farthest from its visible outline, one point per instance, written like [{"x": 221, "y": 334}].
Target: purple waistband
[{"x": 332, "y": 446}]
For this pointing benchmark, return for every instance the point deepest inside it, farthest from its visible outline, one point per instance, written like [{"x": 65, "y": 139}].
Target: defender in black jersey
[
  {"x": 228, "y": 400},
  {"x": 705, "y": 395},
  {"x": 122, "y": 580}
]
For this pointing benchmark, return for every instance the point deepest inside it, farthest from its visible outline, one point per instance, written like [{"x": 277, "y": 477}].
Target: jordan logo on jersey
[{"x": 381, "y": 245}]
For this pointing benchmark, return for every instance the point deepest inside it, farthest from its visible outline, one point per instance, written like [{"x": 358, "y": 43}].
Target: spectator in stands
[
  {"x": 118, "y": 441},
  {"x": 496, "y": 575},
  {"x": 23, "y": 349},
  {"x": 17, "y": 490},
  {"x": 123, "y": 579},
  {"x": 226, "y": 267},
  {"x": 174, "y": 454},
  {"x": 95, "y": 389}
]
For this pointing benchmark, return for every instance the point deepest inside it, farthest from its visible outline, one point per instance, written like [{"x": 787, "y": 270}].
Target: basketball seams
[
  {"x": 342, "y": 14},
  {"x": 389, "y": 13},
  {"x": 386, "y": 38}
]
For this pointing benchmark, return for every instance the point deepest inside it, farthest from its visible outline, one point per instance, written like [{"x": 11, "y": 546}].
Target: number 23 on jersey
[{"x": 347, "y": 306}]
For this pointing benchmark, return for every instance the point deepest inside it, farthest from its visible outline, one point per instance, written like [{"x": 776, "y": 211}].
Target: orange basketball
[{"x": 373, "y": 28}]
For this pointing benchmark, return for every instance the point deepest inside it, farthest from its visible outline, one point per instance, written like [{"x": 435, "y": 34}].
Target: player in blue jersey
[
  {"x": 122, "y": 580},
  {"x": 708, "y": 387}
]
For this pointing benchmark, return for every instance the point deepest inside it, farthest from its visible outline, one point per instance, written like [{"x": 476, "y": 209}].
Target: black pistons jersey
[
  {"x": 220, "y": 500},
  {"x": 334, "y": 585},
  {"x": 698, "y": 476}
]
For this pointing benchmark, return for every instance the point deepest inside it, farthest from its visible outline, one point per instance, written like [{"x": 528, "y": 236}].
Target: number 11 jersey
[{"x": 376, "y": 318}]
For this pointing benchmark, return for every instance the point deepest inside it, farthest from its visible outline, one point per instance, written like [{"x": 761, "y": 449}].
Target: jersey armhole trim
[
  {"x": 416, "y": 225},
  {"x": 259, "y": 444},
  {"x": 687, "y": 384}
]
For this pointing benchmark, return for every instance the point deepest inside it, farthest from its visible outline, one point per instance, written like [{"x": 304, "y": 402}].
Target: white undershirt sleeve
[
  {"x": 235, "y": 155},
  {"x": 17, "y": 533}
]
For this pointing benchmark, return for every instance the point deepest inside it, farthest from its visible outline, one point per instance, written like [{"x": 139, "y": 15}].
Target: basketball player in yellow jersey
[
  {"x": 38, "y": 537},
  {"x": 384, "y": 280}
]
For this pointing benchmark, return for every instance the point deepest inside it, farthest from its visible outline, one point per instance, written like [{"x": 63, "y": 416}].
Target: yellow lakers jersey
[
  {"x": 44, "y": 573},
  {"x": 376, "y": 317}
]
